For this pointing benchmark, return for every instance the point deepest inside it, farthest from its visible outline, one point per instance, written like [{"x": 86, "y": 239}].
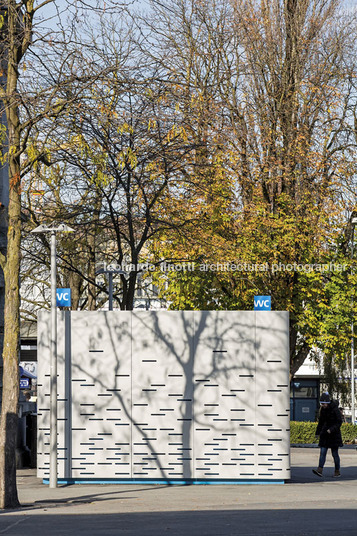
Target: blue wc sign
[
  {"x": 262, "y": 303},
  {"x": 63, "y": 297}
]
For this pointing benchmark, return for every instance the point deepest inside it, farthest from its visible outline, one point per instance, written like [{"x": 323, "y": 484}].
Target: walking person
[{"x": 329, "y": 430}]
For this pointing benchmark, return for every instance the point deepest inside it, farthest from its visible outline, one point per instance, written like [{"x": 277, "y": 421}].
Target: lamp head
[{"x": 53, "y": 227}]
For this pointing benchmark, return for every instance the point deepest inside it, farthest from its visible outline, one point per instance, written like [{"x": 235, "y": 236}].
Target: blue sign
[
  {"x": 262, "y": 303},
  {"x": 63, "y": 297},
  {"x": 24, "y": 383}
]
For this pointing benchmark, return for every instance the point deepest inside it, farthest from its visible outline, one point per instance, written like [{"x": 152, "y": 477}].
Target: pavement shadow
[
  {"x": 85, "y": 499},
  {"x": 304, "y": 460},
  {"x": 300, "y": 475},
  {"x": 279, "y": 522}
]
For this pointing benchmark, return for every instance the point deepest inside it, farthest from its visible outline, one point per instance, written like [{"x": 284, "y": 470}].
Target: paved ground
[{"x": 307, "y": 505}]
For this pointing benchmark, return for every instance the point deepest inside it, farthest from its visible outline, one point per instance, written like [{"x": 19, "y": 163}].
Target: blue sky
[{"x": 50, "y": 10}]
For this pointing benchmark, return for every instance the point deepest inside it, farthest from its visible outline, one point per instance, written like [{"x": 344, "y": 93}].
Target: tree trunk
[
  {"x": 10, "y": 395},
  {"x": 11, "y": 261}
]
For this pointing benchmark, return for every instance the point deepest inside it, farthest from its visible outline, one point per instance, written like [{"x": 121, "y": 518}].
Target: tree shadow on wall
[{"x": 178, "y": 388}]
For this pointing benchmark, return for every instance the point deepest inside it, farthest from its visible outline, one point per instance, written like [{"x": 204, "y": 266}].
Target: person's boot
[
  {"x": 337, "y": 473},
  {"x": 317, "y": 471}
]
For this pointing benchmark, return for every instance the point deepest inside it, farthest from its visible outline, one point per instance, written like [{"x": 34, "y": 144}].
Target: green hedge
[{"x": 304, "y": 432}]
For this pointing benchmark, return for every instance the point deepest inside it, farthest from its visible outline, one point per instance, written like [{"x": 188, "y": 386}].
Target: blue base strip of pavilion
[{"x": 158, "y": 482}]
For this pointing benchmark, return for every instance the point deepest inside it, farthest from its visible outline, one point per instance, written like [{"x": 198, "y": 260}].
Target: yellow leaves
[
  {"x": 127, "y": 158},
  {"x": 78, "y": 140},
  {"x": 152, "y": 124},
  {"x": 37, "y": 154},
  {"x": 125, "y": 128},
  {"x": 78, "y": 143},
  {"x": 101, "y": 179},
  {"x": 2, "y": 139},
  {"x": 177, "y": 131}
]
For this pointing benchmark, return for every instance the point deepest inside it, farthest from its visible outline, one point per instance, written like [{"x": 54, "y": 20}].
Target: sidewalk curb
[
  {"x": 315, "y": 446},
  {"x": 304, "y": 445}
]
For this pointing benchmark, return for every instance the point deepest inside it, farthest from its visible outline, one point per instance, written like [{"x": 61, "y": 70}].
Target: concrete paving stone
[{"x": 305, "y": 506}]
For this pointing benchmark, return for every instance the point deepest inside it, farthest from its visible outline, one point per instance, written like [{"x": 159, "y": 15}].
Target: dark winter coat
[{"x": 329, "y": 426}]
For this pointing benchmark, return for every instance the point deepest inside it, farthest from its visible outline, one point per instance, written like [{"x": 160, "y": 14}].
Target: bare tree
[{"x": 123, "y": 151}]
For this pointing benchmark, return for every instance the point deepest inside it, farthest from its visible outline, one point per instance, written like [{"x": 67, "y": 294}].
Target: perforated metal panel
[
  {"x": 43, "y": 401},
  {"x": 168, "y": 395},
  {"x": 101, "y": 396},
  {"x": 225, "y": 410},
  {"x": 272, "y": 394},
  {"x": 162, "y": 395}
]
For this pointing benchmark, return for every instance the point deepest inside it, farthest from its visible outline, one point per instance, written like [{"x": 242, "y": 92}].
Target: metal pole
[
  {"x": 61, "y": 227},
  {"x": 110, "y": 291},
  {"x": 353, "y": 413},
  {"x": 352, "y": 347},
  {"x": 53, "y": 368}
]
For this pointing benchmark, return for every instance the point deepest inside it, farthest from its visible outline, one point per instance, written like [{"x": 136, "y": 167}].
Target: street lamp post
[
  {"x": 353, "y": 413},
  {"x": 53, "y": 229},
  {"x": 110, "y": 270}
]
